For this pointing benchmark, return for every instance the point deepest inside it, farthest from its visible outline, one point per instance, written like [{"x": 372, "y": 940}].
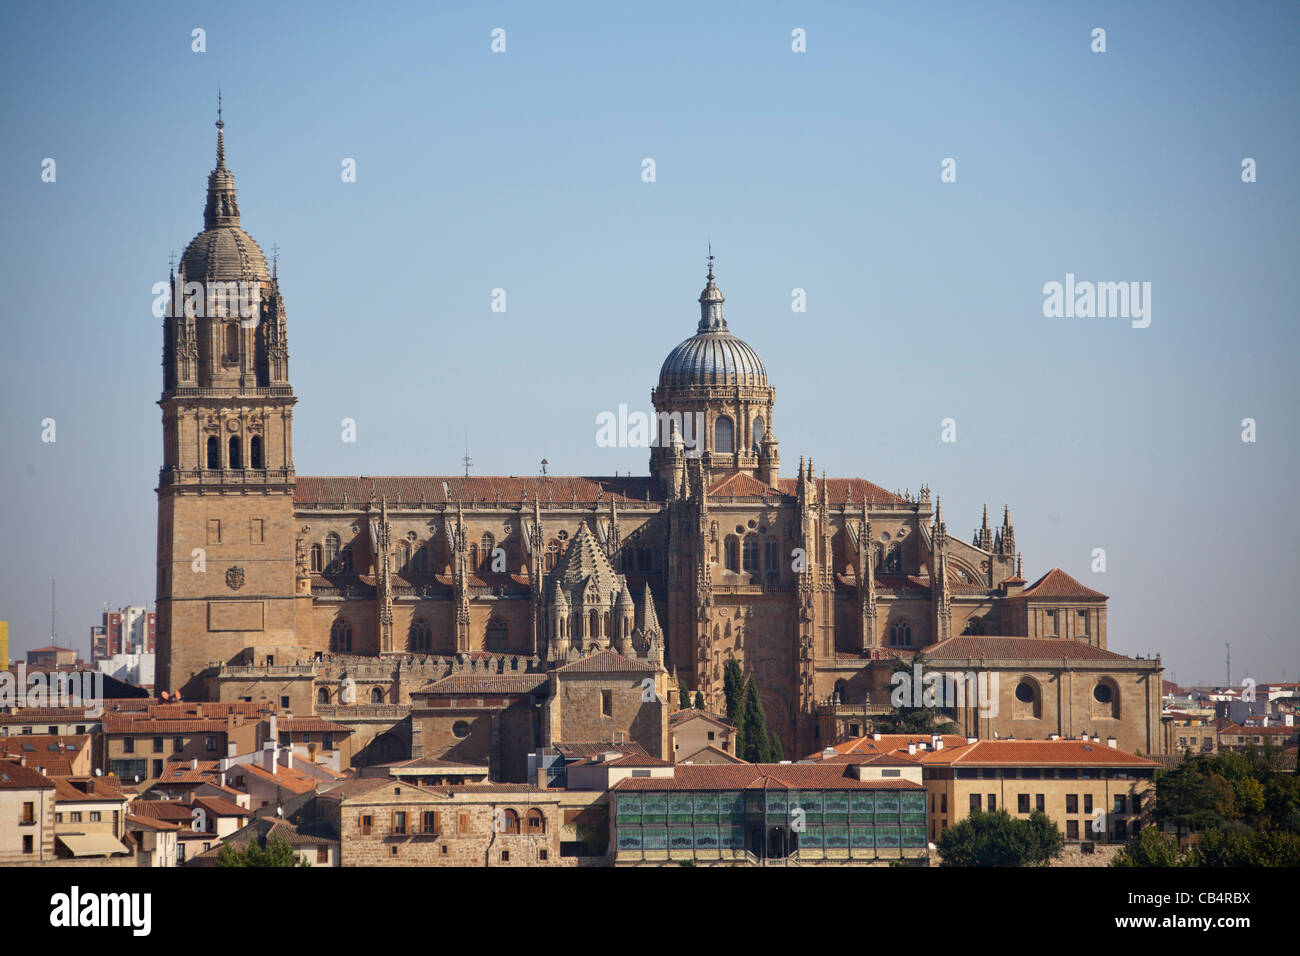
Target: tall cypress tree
[
  {"x": 757, "y": 744},
  {"x": 733, "y": 689},
  {"x": 699, "y": 700},
  {"x": 683, "y": 694}
]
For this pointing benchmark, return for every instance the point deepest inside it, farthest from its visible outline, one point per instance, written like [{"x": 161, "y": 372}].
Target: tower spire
[
  {"x": 711, "y": 318},
  {"x": 222, "y": 208}
]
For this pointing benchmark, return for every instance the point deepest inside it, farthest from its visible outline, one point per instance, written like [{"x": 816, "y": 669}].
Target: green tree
[
  {"x": 775, "y": 752},
  {"x": 733, "y": 688},
  {"x": 996, "y": 839},
  {"x": 277, "y": 852},
  {"x": 756, "y": 742},
  {"x": 683, "y": 694},
  {"x": 908, "y": 719},
  {"x": 1149, "y": 847},
  {"x": 699, "y": 700}
]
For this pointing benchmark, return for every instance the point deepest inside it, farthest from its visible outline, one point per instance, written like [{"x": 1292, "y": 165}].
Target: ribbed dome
[
  {"x": 712, "y": 356},
  {"x": 225, "y": 253}
]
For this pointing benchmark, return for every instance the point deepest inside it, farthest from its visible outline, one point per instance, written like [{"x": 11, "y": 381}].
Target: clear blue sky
[{"x": 819, "y": 170}]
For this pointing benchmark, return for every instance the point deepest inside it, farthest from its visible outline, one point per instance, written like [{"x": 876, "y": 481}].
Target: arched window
[
  {"x": 473, "y": 557},
  {"x": 900, "y": 634},
  {"x": 341, "y": 637},
  {"x": 758, "y": 434},
  {"x": 232, "y": 342},
  {"x": 345, "y": 558},
  {"x": 894, "y": 559},
  {"x": 498, "y": 636},
  {"x": 214, "y": 453},
  {"x": 724, "y": 438},
  {"x": 749, "y": 553},
  {"x": 403, "y": 557},
  {"x": 594, "y": 624},
  {"x": 323, "y": 695},
  {"x": 509, "y": 822},
  {"x": 317, "y": 558},
  {"x": 487, "y": 544},
  {"x": 1105, "y": 699},
  {"x": 552, "y": 554},
  {"x": 233, "y": 457},
  {"x": 1028, "y": 703},
  {"x": 421, "y": 635},
  {"x": 770, "y": 564},
  {"x": 730, "y": 555},
  {"x": 331, "y": 552},
  {"x": 418, "y": 563},
  {"x": 534, "y": 822},
  {"x": 376, "y": 695},
  {"x": 255, "y": 452}
]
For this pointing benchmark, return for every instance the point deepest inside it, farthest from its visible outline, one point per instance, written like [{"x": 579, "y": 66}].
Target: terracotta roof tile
[
  {"x": 607, "y": 662},
  {"x": 468, "y": 685},
  {"x": 14, "y": 776},
  {"x": 839, "y": 490},
  {"x": 481, "y": 489},
  {"x": 1035, "y": 753},
  {"x": 1057, "y": 584},
  {"x": 1018, "y": 648}
]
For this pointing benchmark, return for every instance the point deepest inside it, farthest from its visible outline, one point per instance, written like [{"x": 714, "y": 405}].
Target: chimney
[
  {"x": 972, "y": 740},
  {"x": 287, "y": 754},
  {"x": 268, "y": 757},
  {"x": 1053, "y": 736},
  {"x": 194, "y": 763},
  {"x": 875, "y": 736},
  {"x": 1112, "y": 743},
  {"x": 911, "y": 748},
  {"x": 232, "y": 750},
  {"x": 274, "y": 730},
  {"x": 936, "y": 742}
]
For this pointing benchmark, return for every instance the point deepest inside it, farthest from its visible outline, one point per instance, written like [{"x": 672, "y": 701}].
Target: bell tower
[{"x": 227, "y": 564}]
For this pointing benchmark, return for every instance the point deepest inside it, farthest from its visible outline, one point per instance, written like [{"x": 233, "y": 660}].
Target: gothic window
[
  {"x": 345, "y": 558},
  {"x": 510, "y": 822},
  {"x": 214, "y": 453},
  {"x": 377, "y": 695},
  {"x": 758, "y": 434},
  {"x": 498, "y": 636},
  {"x": 724, "y": 436},
  {"x": 234, "y": 452},
  {"x": 770, "y": 564},
  {"x": 232, "y": 342},
  {"x": 894, "y": 559},
  {"x": 552, "y": 554},
  {"x": 486, "y": 546},
  {"x": 323, "y": 696},
  {"x": 900, "y": 634},
  {"x": 402, "y": 558},
  {"x": 341, "y": 637},
  {"x": 418, "y": 559},
  {"x": 255, "y": 452},
  {"x": 729, "y": 548},
  {"x": 534, "y": 822},
  {"x": 317, "y": 558},
  {"x": 421, "y": 636},
  {"x": 749, "y": 553},
  {"x": 331, "y": 552},
  {"x": 594, "y": 624},
  {"x": 473, "y": 557}
]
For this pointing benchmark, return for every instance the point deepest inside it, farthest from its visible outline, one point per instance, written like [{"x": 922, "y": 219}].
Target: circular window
[
  {"x": 762, "y": 529},
  {"x": 1025, "y": 693},
  {"x": 1101, "y": 693},
  {"x": 753, "y": 524},
  {"x": 461, "y": 729},
  {"x": 740, "y": 529}
]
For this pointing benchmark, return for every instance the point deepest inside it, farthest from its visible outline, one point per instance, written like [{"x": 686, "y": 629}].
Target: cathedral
[{"x": 479, "y": 618}]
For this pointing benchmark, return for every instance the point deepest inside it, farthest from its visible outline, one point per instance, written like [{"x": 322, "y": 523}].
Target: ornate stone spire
[
  {"x": 222, "y": 208},
  {"x": 711, "y": 300}
]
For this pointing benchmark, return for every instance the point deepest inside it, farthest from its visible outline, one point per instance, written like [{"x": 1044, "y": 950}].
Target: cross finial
[
  {"x": 275, "y": 258},
  {"x": 710, "y": 258},
  {"x": 220, "y": 121},
  {"x": 171, "y": 261}
]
